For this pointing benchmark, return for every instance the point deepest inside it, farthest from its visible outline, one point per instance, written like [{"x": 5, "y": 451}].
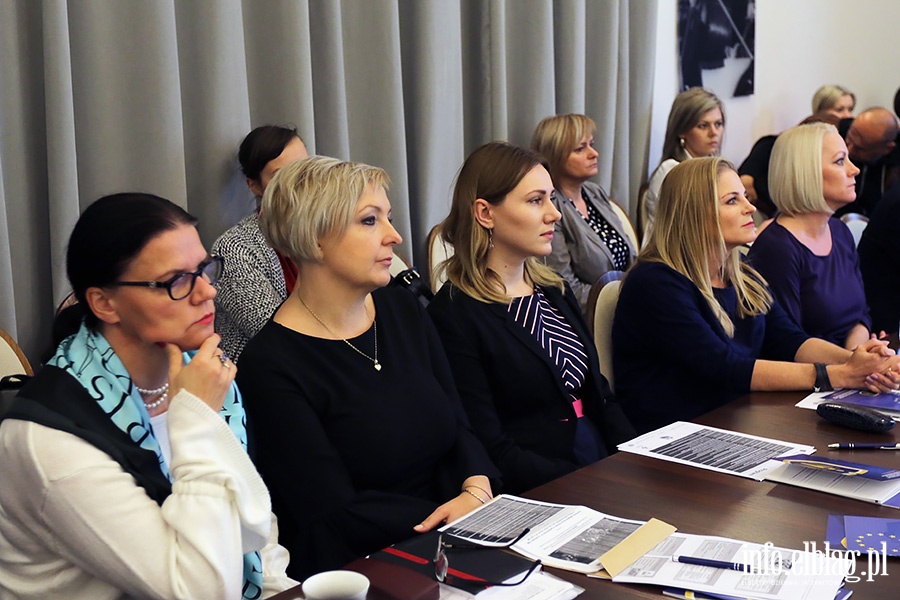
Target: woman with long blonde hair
[
  {"x": 522, "y": 358},
  {"x": 714, "y": 330}
]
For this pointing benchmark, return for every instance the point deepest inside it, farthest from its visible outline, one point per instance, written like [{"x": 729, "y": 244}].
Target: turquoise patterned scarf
[{"x": 88, "y": 357}]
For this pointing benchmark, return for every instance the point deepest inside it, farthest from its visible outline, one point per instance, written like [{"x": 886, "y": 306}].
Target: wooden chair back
[
  {"x": 438, "y": 252},
  {"x": 12, "y": 359},
  {"x": 626, "y": 224},
  {"x": 601, "y": 309},
  {"x": 641, "y": 218}
]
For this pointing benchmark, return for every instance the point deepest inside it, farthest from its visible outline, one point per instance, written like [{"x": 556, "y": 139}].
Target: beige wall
[{"x": 800, "y": 45}]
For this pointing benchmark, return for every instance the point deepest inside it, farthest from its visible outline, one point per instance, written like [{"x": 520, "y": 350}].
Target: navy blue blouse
[
  {"x": 671, "y": 358},
  {"x": 823, "y": 294}
]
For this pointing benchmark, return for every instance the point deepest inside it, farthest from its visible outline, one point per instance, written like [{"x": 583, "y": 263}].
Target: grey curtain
[{"x": 103, "y": 96}]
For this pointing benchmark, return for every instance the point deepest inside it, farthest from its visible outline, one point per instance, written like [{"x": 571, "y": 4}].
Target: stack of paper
[{"x": 840, "y": 477}]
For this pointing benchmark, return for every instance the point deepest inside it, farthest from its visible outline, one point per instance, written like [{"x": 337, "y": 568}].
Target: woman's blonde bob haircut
[
  {"x": 688, "y": 238},
  {"x": 827, "y": 96},
  {"x": 491, "y": 172},
  {"x": 310, "y": 199},
  {"x": 556, "y": 137},
  {"x": 687, "y": 108},
  {"x": 795, "y": 170}
]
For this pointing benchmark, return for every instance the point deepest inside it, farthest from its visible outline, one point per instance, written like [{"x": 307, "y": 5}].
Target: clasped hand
[{"x": 875, "y": 366}]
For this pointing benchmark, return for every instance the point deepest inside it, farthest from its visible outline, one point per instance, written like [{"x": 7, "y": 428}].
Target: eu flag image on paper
[
  {"x": 834, "y": 533},
  {"x": 866, "y": 534}
]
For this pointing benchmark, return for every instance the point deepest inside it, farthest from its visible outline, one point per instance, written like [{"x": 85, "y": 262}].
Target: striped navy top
[{"x": 551, "y": 330}]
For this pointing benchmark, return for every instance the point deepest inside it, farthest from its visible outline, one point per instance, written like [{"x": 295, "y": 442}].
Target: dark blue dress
[
  {"x": 823, "y": 294},
  {"x": 671, "y": 358}
]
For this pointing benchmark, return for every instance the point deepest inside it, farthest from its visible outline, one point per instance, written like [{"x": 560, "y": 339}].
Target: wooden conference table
[{"x": 704, "y": 502}]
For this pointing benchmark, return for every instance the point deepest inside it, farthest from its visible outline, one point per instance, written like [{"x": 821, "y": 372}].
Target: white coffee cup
[{"x": 336, "y": 585}]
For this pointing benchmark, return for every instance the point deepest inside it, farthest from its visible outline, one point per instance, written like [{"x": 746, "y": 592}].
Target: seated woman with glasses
[
  {"x": 125, "y": 458},
  {"x": 696, "y": 326},
  {"x": 523, "y": 359},
  {"x": 358, "y": 428}
]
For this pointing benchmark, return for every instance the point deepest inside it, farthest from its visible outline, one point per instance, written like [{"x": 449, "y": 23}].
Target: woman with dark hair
[
  {"x": 590, "y": 238},
  {"x": 257, "y": 278},
  {"x": 124, "y": 459},
  {"x": 522, "y": 358},
  {"x": 359, "y": 431}
]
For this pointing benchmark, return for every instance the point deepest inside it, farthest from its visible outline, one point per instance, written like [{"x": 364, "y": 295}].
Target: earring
[
  {"x": 490, "y": 239},
  {"x": 681, "y": 141}
]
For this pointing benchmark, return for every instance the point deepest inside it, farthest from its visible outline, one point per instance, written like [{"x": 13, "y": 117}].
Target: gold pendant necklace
[{"x": 345, "y": 340}]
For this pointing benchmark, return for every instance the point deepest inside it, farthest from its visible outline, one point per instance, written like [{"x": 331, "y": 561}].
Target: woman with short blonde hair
[
  {"x": 693, "y": 300},
  {"x": 295, "y": 224},
  {"x": 522, "y": 358},
  {"x": 591, "y": 239},
  {"x": 360, "y": 432},
  {"x": 834, "y": 99},
  {"x": 808, "y": 256}
]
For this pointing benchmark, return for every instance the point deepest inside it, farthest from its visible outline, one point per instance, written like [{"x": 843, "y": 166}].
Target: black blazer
[{"x": 514, "y": 396}]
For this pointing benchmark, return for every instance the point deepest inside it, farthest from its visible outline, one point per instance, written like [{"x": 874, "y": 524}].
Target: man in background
[{"x": 872, "y": 145}]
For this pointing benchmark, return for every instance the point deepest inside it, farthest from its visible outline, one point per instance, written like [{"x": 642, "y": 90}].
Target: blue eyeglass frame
[{"x": 167, "y": 284}]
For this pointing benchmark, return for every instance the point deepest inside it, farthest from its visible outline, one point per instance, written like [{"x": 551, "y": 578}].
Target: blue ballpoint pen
[
  {"x": 864, "y": 446},
  {"x": 717, "y": 564}
]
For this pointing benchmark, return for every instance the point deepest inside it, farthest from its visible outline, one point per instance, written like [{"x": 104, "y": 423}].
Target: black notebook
[{"x": 470, "y": 569}]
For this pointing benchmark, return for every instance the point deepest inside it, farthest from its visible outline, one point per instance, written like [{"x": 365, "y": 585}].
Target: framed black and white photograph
[{"x": 716, "y": 45}]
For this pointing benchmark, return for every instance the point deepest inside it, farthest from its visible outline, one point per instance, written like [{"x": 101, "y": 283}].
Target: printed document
[
  {"x": 714, "y": 449},
  {"x": 776, "y": 573},
  {"x": 567, "y": 537}
]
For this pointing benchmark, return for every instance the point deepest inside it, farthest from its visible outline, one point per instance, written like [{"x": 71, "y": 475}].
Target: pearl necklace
[
  {"x": 358, "y": 351},
  {"x": 163, "y": 390}
]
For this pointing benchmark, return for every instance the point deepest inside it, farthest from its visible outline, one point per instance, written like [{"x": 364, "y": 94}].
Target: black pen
[
  {"x": 717, "y": 564},
  {"x": 865, "y": 446}
]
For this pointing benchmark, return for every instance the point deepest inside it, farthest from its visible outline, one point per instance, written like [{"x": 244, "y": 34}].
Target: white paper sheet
[
  {"x": 714, "y": 449},
  {"x": 781, "y": 574}
]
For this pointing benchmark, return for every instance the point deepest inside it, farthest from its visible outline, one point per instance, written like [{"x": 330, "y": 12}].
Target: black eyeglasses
[
  {"x": 442, "y": 563},
  {"x": 181, "y": 285}
]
